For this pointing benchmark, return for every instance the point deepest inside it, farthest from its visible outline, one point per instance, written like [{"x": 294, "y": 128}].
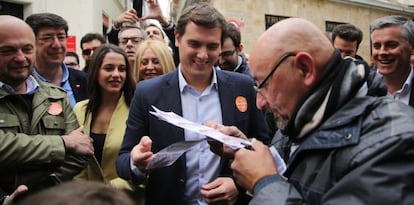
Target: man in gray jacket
[{"x": 347, "y": 142}]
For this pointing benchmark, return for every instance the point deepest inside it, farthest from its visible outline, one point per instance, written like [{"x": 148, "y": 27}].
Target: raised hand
[
  {"x": 129, "y": 16},
  {"x": 21, "y": 189},
  {"x": 141, "y": 154},
  {"x": 155, "y": 12}
]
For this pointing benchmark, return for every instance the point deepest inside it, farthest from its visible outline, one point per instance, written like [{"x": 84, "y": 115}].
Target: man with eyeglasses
[
  {"x": 154, "y": 13},
  {"x": 71, "y": 60},
  {"x": 89, "y": 42},
  {"x": 231, "y": 57},
  {"x": 130, "y": 37},
  {"x": 344, "y": 140},
  {"x": 51, "y": 31}
]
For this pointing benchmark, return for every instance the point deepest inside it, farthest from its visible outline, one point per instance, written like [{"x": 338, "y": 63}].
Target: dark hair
[
  {"x": 73, "y": 54},
  {"x": 46, "y": 20},
  {"x": 233, "y": 33},
  {"x": 156, "y": 26},
  {"x": 90, "y": 37},
  {"x": 78, "y": 193},
  {"x": 347, "y": 32},
  {"x": 202, "y": 14},
  {"x": 94, "y": 92}
]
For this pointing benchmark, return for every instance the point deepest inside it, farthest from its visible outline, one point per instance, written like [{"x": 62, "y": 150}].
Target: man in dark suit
[
  {"x": 51, "y": 31},
  {"x": 198, "y": 92}
]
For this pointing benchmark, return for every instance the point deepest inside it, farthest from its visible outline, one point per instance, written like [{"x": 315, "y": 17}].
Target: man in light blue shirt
[
  {"x": 64, "y": 83},
  {"x": 199, "y": 92},
  {"x": 51, "y": 32}
]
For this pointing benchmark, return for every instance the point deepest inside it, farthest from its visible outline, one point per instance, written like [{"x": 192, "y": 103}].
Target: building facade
[
  {"x": 83, "y": 16},
  {"x": 253, "y": 17}
]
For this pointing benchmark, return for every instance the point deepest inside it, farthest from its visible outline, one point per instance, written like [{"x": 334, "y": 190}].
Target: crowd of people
[{"x": 85, "y": 136}]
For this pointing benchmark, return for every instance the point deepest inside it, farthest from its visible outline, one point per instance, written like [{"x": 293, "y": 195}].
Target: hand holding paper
[
  {"x": 172, "y": 118},
  {"x": 141, "y": 154},
  {"x": 218, "y": 147},
  {"x": 215, "y": 132},
  {"x": 170, "y": 154}
]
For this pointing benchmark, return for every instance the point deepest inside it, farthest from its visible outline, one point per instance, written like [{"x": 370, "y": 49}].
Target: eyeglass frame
[
  {"x": 71, "y": 64},
  {"x": 132, "y": 39},
  {"x": 259, "y": 87},
  {"x": 49, "y": 38}
]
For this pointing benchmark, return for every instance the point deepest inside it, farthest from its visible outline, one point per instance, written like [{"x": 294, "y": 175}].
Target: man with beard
[
  {"x": 51, "y": 32},
  {"x": 40, "y": 139},
  {"x": 231, "y": 57},
  {"x": 344, "y": 141}
]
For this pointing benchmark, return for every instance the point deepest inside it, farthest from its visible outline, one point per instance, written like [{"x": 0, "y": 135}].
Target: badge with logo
[
  {"x": 241, "y": 103},
  {"x": 55, "y": 108}
]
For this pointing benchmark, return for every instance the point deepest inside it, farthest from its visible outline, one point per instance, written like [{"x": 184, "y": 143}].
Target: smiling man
[
  {"x": 51, "y": 31},
  {"x": 199, "y": 92},
  {"x": 40, "y": 139},
  {"x": 392, "y": 44}
]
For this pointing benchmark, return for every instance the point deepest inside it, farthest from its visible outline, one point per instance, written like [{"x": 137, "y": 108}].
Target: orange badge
[
  {"x": 54, "y": 108},
  {"x": 241, "y": 103}
]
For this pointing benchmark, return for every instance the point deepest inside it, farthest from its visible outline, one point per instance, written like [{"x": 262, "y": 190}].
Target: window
[
  {"x": 272, "y": 19},
  {"x": 329, "y": 26}
]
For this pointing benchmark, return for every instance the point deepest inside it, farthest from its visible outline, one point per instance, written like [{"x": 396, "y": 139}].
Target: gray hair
[
  {"x": 407, "y": 26},
  {"x": 126, "y": 27}
]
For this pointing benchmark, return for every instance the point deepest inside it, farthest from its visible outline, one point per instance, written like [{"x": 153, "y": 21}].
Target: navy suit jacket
[
  {"x": 166, "y": 185},
  {"x": 77, "y": 81}
]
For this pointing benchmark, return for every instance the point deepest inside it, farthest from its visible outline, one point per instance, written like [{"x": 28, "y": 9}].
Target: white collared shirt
[{"x": 404, "y": 93}]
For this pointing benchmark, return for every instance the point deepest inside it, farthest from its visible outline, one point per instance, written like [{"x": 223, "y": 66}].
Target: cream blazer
[{"x": 114, "y": 136}]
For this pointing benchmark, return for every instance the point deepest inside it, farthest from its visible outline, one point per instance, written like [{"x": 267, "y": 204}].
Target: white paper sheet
[
  {"x": 170, "y": 154},
  {"x": 172, "y": 118}
]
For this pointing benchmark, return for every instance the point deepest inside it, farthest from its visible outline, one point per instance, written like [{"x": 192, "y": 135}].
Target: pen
[{"x": 247, "y": 146}]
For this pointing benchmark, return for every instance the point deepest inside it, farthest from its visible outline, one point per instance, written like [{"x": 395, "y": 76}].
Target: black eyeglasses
[
  {"x": 257, "y": 88},
  {"x": 49, "y": 38},
  {"x": 225, "y": 54},
  {"x": 88, "y": 51},
  {"x": 134, "y": 40},
  {"x": 71, "y": 64}
]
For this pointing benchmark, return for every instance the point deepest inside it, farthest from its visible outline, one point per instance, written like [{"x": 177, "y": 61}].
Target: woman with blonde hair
[{"x": 153, "y": 58}]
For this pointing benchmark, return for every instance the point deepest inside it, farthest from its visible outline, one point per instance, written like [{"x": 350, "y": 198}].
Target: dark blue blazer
[
  {"x": 78, "y": 83},
  {"x": 166, "y": 185}
]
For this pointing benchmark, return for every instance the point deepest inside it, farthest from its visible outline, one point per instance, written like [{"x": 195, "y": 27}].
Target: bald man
[
  {"x": 347, "y": 143},
  {"x": 40, "y": 140}
]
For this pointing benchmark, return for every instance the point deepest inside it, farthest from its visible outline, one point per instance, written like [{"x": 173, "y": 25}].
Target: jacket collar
[{"x": 340, "y": 130}]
